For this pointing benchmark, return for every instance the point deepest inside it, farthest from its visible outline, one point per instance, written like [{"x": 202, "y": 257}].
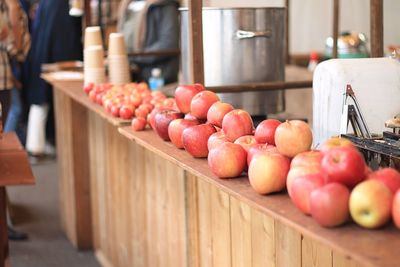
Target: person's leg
[
  {"x": 5, "y": 104},
  {"x": 14, "y": 113},
  {"x": 36, "y": 132}
]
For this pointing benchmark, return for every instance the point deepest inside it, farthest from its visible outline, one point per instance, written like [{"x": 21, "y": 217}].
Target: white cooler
[{"x": 375, "y": 82}]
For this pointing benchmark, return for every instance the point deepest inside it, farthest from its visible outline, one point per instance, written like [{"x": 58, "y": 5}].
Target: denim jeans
[{"x": 14, "y": 113}]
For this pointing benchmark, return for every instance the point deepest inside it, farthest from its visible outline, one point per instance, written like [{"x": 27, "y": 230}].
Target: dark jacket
[
  {"x": 56, "y": 37},
  {"x": 162, "y": 32}
]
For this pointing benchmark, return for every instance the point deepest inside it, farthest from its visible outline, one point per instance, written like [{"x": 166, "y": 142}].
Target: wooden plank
[
  {"x": 314, "y": 254},
  {"x": 176, "y": 217},
  {"x": 241, "y": 233},
  {"x": 81, "y": 175},
  {"x": 138, "y": 227},
  {"x": 262, "y": 239},
  {"x": 192, "y": 220},
  {"x": 287, "y": 32},
  {"x": 94, "y": 151},
  {"x": 153, "y": 234},
  {"x": 10, "y": 141},
  {"x": 15, "y": 168},
  {"x": 220, "y": 227},
  {"x": 196, "y": 40},
  {"x": 348, "y": 240},
  {"x": 288, "y": 246},
  {"x": 339, "y": 260},
  {"x": 62, "y": 105},
  {"x": 205, "y": 222},
  {"x": 335, "y": 30},
  {"x": 376, "y": 28}
]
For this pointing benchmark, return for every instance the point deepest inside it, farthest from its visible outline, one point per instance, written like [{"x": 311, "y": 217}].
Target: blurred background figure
[
  {"x": 56, "y": 36},
  {"x": 14, "y": 45},
  {"x": 148, "y": 26}
]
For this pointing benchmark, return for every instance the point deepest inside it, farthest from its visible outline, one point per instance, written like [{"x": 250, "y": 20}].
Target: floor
[{"x": 36, "y": 213}]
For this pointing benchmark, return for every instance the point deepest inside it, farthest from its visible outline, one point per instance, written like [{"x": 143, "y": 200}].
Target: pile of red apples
[
  {"x": 132, "y": 100},
  {"x": 333, "y": 184}
]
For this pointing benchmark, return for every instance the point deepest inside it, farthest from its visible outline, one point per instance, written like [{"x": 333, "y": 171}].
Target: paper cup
[
  {"x": 116, "y": 44},
  {"x": 94, "y": 57},
  {"x": 93, "y": 37}
]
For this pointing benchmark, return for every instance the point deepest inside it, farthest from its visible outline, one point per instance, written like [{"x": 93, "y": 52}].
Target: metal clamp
[{"x": 240, "y": 34}]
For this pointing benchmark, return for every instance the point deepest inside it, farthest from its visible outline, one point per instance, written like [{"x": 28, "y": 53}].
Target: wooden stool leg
[{"x": 4, "y": 261}]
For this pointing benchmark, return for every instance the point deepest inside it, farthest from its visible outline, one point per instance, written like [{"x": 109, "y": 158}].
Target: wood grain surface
[{"x": 293, "y": 230}]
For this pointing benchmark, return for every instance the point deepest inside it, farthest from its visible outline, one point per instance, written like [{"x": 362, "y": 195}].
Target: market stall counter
[{"x": 139, "y": 201}]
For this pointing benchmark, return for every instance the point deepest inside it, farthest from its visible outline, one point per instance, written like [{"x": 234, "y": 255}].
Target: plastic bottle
[
  {"x": 312, "y": 64},
  {"x": 156, "y": 80}
]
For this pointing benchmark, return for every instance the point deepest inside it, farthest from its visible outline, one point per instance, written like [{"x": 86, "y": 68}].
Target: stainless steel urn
[{"x": 241, "y": 45}]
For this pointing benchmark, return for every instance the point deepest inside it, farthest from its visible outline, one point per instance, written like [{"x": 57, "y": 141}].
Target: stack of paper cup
[
  {"x": 93, "y": 56},
  {"x": 94, "y": 71},
  {"x": 118, "y": 65}
]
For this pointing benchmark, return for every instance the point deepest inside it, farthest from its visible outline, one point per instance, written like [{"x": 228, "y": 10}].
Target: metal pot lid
[{"x": 348, "y": 40}]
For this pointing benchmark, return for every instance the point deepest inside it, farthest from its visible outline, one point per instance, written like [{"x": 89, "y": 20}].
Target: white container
[{"x": 376, "y": 84}]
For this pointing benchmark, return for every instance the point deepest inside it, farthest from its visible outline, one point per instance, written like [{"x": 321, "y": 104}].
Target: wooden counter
[
  {"x": 14, "y": 170},
  {"x": 150, "y": 204},
  {"x": 235, "y": 226}
]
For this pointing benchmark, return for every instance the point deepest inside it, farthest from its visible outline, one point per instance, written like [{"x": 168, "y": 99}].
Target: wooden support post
[
  {"x": 335, "y": 28},
  {"x": 196, "y": 40},
  {"x": 376, "y": 28},
  {"x": 287, "y": 48},
  {"x": 88, "y": 13}
]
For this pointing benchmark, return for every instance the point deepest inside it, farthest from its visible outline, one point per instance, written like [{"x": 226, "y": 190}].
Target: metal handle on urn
[{"x": 240, "y": 34}]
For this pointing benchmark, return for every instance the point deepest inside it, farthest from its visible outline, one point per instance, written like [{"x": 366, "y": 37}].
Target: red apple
[
  {"x": 138, "y": 124},
  {"x": 92, "y": 95},
  {"x": 259, "y": 148},
  {"x": 308, "y": 158},
  {"x": 162, "y": 121},
  {"x": 227, "y": 160},
  {"x": 389, "y": 176},
  {"x": 301, "y": 189},
  {"x": 267, "y": 172},
  {"x": 335, "y": 142},
  {"x": 115, "y": 110},
  {"x": 201, "y": 103},
  {"x": 293, "y": 137},
  {"x": 216, "y": 139},
  {"x": 396, "y": 209},
  {"x": 301, "y": 171},
  {"x": 175, "y": 130},
  {"x": 88, "y": 87},
  {"x": 152, "y": 115},
  {"x": 237, "y": 123},
  {"x": 217, "y": 112},
  {"x": 195, "y": 139},
  {"x": 329, "y": 204},
  {"x": 189, "y": 116},
  {"x": 141, "y": 112},
  {"x": 126, "y": 112},
  {"x": 265, "y": 131},
  {"x": 246, "y": 141},
  {"x": 184, "y": 95},
  {"x": 371, "y": 204},
  {"x": 344, "y": 165}
]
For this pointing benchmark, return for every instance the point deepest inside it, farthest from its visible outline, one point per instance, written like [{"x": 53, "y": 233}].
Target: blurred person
[
  {"x": 151, "y": 25},
  {"x": 14, "y": 45},
  {"x": 56, "y": 36},
  {"x": 16, "y": 105}
]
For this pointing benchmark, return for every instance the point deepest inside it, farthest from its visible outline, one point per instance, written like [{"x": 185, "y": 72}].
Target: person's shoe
[{"x": 15, "y": 235}]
